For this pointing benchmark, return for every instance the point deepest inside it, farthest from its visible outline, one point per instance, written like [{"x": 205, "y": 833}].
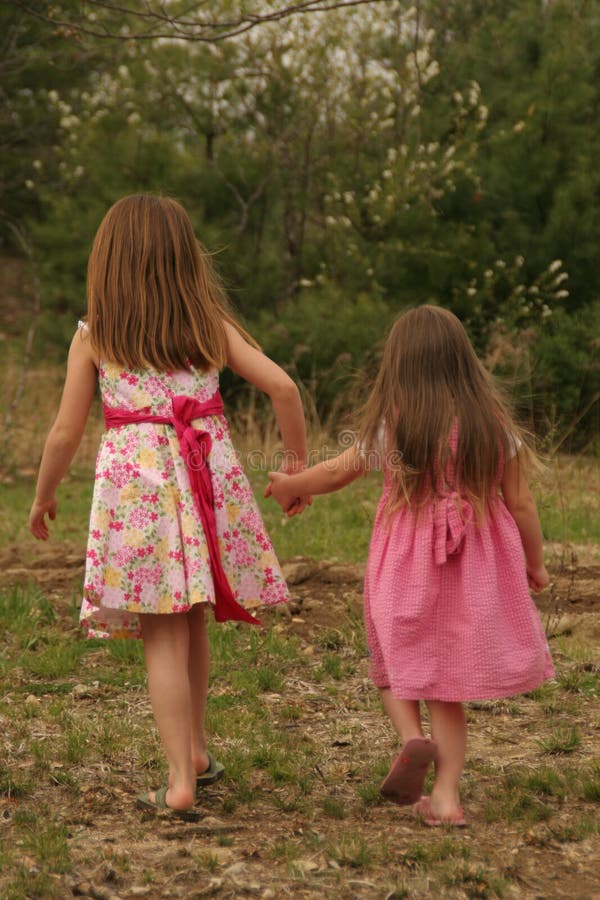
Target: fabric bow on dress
[
  {"x": 195, "y": 445},
  {"x": 452, "y": 515}
]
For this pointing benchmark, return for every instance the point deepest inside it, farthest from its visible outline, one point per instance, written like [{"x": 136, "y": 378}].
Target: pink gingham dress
[
  {"x": 448, "y": 611},
  {"x": 147, "y": 552}
]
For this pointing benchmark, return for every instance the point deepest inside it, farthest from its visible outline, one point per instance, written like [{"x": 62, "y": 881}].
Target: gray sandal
[
  {"x": 159, "y": 804},
  {"x": 213, "y": 773}
]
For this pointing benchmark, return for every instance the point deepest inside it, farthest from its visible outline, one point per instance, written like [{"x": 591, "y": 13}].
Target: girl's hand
[
  {"x": 288, "y": 499},
  {"x": 37, "y": 521},
  {"x": 300, "y": 503},
  {"x": 538, "y": 577}
]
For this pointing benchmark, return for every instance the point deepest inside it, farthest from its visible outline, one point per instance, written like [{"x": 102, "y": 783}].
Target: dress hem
[
  {"x": 120, "y": 632},
  {"x": 468, "y": 696}
]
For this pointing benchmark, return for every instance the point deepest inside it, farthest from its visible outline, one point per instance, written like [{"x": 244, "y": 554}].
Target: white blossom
[
  {"x": 474, "y": 93},
  {"x": 68, "y": 122}
]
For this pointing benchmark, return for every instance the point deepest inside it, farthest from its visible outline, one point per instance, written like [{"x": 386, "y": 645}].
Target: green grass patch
[
  {"x": 337, "y": 526},
  {"x": 580, "y": 680},
  {"x": 563, "y": 739},
  {"x": 590, "y": 783},
  {"x": 14, "y": 785},
  {"x": 475, "y": 881},
  {"x": 126, "y": 651},
  {"x": 334, "y": 808},
  {"x": 351, "y": 851},
  {"x": 48, "y": 842},
  {"x": 543, "y": 782},
  {"x": 24, "y": 614},
  {"x": 516, "y": 807},
  {"x": 59, "y": 658}
]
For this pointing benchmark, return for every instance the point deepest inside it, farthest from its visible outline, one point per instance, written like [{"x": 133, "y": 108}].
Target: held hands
[
  {"x": 37, "y": 518},
  {"x": 286, "y": 496},
  {"x": 538, "y": 578}
]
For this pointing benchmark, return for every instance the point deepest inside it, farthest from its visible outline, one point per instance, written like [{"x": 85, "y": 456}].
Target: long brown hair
[
  {"x": 429, "y": 380},
  {"x": 154, "y": 299}
]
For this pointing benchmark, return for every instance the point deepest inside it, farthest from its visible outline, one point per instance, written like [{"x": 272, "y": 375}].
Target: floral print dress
[{"x": 146, "y": 549}]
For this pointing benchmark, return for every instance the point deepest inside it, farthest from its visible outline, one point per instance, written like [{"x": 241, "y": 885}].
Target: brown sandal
[{"x": 403, "y": 784}]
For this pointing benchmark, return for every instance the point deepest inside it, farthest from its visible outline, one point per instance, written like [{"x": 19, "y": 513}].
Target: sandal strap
[{"x": 160, "y": 798}]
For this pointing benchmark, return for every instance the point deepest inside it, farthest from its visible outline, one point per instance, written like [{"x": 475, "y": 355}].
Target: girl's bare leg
[
  {"x": 166, "y": 647},
  {"x": 405, "y": 715},
  {"x": 198, "y": 672},
  {"x": 449, "y": 731}
]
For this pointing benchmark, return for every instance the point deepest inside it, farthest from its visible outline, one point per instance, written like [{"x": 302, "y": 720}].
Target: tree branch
[{"x": 201, "y": 30}]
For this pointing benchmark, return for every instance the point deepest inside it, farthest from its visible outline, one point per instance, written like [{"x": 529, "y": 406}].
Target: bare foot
[{"x": 200, "y": 761}]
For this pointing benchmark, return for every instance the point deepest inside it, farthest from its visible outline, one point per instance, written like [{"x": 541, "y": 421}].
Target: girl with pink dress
[
  {"x": 456, "y": 545},
  {"x": 174, "y": 526}
]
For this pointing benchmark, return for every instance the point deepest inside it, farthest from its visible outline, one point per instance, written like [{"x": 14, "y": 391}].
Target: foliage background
[{"x": 344, "y": 164}]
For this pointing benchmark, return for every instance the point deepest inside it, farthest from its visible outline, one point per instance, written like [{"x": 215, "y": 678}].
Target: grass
[
  {"x": 561, "y": 740},
  {"x": 299, "y": 729},
  {"x": 567, "y": 500},
  {"x": 290, "y": 759},
  {"x": 337, "y": 526}
]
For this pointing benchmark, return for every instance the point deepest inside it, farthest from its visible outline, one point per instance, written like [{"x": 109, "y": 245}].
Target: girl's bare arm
[
  {"x": 66, "y": 433},
  {"x": 328, "y": 476},
  {"x": 521, "y": 506},
  {"x": 267, "y": 376}
]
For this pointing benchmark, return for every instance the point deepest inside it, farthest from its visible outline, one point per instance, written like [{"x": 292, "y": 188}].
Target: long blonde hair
[
  {"x": 430, "y": 381},
  {"x": 154, "y": 299}
]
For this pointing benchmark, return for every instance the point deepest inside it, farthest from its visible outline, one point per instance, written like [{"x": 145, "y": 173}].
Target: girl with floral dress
[
  {"x": 456, "y": 543},
  {"x": 174, "y": 526}
]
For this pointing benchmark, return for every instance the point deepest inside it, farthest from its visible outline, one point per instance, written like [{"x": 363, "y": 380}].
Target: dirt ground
[
  {"x": 239, "y": 848},
  {"x": 320, "y": 587}
]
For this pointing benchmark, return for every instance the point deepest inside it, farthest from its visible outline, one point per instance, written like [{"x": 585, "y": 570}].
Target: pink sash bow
[
  {"x": 195, "y": 445},
  {"x": 451, "y": 518}
]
